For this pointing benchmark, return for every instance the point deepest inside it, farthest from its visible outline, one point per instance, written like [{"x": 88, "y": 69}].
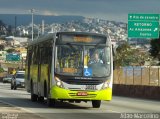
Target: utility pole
[
  {"x": 22, "y": 63},
  {"x": 32, "y": 12},
  {"x": 42, "y": 27},
  {"x": 15, "y": 25}
]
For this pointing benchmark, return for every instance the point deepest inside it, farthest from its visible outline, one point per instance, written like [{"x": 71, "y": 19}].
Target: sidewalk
[{"x": 8, "y": 111}]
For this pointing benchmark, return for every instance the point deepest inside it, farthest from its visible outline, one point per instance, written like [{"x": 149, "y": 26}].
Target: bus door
[
  {"x": 42, "y": 70},
  {"x": 49, "y": 65},
  {"x": 45, "y": 68},
  {"x": 28, "y": 65},
  {"x": 39, "y": 70},
  {"x": 48, "y": 62}
]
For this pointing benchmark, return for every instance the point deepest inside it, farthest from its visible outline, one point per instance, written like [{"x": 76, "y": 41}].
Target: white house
[{"x": 14, "y": 43}]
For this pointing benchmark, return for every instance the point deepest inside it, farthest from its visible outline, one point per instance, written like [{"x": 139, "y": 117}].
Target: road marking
[{"x": 115, "y": 111}]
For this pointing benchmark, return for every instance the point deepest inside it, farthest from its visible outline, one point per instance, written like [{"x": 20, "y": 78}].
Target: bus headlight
[
  {"x": 106, "y": 84},
  {"x": 58, "y": 82}
]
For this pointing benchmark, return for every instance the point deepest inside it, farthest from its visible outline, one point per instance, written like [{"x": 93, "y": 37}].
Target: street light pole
[{"x": 32, "y": 12}]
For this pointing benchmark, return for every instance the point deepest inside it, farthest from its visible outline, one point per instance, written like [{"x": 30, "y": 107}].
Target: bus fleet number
[{"x": 91, "y": 87}]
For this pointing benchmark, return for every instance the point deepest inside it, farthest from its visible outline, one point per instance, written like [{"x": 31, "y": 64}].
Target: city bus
[{"x": 59, "y": 68}]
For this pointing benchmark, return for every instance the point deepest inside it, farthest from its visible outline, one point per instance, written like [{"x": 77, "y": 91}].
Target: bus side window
[{"x": 34, "y": 55}]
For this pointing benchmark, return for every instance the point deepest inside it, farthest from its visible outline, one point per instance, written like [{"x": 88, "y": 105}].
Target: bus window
[{"x": 69, "y": 60}]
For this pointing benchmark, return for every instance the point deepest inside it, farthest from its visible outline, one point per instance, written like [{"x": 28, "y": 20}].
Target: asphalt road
[{"x": 13, "y": 102}]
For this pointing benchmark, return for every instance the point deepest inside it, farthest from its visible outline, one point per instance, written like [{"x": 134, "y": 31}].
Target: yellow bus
[{"x": 62, "y": 67}]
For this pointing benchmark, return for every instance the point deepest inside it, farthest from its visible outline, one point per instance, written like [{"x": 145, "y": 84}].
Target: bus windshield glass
[{"x": 82, "y": 60}]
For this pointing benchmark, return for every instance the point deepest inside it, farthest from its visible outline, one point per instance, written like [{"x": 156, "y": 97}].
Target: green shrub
[{"x": 1, "y": 69}]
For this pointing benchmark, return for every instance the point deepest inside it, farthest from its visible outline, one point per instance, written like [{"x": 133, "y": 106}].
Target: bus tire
[
  {"x": 41, "y": 99},
  {"x": 15, "y": 87},
  {"x": 33, "y": 96},
  {"x": 45, "y": 89},
  {"x": 51, "y": 102},
  {"x": 11, "y": 87},
  {"x": 96, "y": 103}
]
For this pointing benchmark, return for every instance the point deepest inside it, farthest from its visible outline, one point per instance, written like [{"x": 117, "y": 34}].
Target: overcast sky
[{"x": 104, "y": 9}]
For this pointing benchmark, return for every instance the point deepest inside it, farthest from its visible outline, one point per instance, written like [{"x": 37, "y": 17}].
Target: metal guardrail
[{"x": 149, "y": 76}]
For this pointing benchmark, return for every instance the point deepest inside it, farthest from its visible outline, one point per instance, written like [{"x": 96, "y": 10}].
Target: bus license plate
[{"x": 82, "y": 94}]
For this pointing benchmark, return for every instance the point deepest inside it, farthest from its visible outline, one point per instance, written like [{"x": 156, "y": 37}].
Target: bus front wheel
[
  {"x": 96, "y": 103},
  {"x": 51, "y": 102},
  {"x": 41, "y": 99}
]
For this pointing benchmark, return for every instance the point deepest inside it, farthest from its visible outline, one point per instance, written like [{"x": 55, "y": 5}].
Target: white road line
[{"x": 115, "y": 111}]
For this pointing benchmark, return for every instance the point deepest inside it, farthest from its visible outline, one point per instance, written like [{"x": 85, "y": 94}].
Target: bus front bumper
[{"x": 64, "y": 94}]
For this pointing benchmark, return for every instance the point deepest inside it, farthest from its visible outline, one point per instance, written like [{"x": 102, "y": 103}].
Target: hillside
[{"x": 22, "y": 19}]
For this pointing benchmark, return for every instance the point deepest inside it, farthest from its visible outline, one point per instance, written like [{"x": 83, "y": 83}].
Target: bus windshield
[{"x": 82, "y": 60}]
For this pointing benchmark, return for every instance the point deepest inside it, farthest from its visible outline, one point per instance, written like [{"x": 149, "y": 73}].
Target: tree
[
  {"x": 123, "y": 55},
  {"x": 155, "y": 48},
  {"x": 1, "y": 69},
  {"x": 9, "y": 30},
  {"x": 2, "y": 27},
  {"x": 10, "y": 50},
  {"x": 127, "y": 56},
  {"x": 1, "y": 47}
]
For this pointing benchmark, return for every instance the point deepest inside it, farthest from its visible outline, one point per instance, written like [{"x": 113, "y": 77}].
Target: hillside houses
[
  {"x": 17, "y": 44},
  {"x": 16, "y": 41}
]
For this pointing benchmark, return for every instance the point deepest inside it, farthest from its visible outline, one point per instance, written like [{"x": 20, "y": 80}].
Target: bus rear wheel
[
  {"x": 96, "y": 103},
  {"x": 11, "y": 87},
  {"x": 34, "y": 97}
]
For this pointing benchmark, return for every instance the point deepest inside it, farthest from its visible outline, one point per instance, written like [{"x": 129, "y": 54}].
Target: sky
[{"x": 116, "y": 10}]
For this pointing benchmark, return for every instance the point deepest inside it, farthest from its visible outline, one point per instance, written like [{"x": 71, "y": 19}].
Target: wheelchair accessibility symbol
[{"x": 87, "y": 72}]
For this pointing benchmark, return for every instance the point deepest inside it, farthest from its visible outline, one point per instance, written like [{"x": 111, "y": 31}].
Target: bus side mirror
[
  {"x": 113, "y": 53},
  {"x": 113, "y": 50},
  {"x": 113, "y": 65}
]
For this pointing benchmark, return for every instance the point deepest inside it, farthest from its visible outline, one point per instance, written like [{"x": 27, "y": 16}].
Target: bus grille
[{"x": 83, "y": 82}]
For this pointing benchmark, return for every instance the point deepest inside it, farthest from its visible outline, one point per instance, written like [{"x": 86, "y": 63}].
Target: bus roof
[
  {"x": 41, "y": 39},
  {"x": 51, "y": 36}
]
